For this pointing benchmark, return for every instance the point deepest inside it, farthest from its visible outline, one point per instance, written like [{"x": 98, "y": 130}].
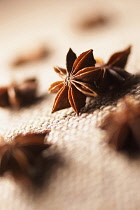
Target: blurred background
[{"x": 105, "y": 26}]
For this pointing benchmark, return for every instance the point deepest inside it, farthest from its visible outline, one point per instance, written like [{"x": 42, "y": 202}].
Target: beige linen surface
[{"x": 92, "y": 176}]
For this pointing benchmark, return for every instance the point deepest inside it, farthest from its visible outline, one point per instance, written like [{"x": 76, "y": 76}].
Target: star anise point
[
  {"x": 79, "y": 81},
  {"x": 114, "y": 75}
]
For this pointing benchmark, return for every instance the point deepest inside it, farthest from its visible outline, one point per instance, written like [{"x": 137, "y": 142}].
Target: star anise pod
[
  {"x": 114, "y": 74},
  {"x": 31, "y": 55},
  {"x": 19, "y": 94},
  {"x": 93, "y": 22},
  {"x": 23, "y": 155},
  {"x": 23, "y": 93},
  {"x": 80, "y": 80},
  {"x": 123, "y": 125}
]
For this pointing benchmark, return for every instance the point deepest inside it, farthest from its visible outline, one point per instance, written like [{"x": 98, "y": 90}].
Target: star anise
[
  {"x": 23, "y": 155},
  {"x": 123, "y": 125},
  {"x": 114, "y": 74},
  {"x": 93, "y": 21},
  {"x": 80, "y": 80},
  {"x": 19, "y": 94},
  {"x": 23, "y": 93},
  {"x": 31, "y": 55}
]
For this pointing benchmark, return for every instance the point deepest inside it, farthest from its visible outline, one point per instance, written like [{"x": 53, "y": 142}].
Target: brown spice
[
  {"x": 114, "y": 74},
  {"x": 17, "y": 95},
  {"x": 32, "y": 55},
  {"x": 123, "y": 125},
  {"x": 79, "y": 80},
  {"x": 20, "y": 157},
  {"x": 92, "y": 22}
]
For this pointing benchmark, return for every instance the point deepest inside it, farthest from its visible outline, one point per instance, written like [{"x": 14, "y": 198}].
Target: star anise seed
[
  {"x": 79, "y": 80},
  {"x": 31, "y": 55},
  {"x": 114, "y": 73},
  {"x": 92, "y": 22},
  {"x": 123, "y": 125},
  {"x": 23, "y": 93},
  {"x": 20, "y": 156},
  {"x": 19, "y": 94}
]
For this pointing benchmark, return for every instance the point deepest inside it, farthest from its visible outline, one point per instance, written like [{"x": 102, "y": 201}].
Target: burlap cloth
[{"x": 91, "y": 175}]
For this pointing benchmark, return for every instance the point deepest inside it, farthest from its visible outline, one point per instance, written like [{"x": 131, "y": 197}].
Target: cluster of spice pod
[{"x": 84, "y": 76}]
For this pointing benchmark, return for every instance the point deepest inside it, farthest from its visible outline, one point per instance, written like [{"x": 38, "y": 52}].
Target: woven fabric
[{"x": 90, "y": 175}]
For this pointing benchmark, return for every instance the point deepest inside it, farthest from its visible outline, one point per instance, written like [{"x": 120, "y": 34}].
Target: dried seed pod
[
  {"x": 91, "y": 22},
  {"x": 123, "y": 124},
  {"x": 23, "y": 155},
  {"x": 32, "y": 55},
  {"x": 21, "y": 94},
  {"x": 79, "y": 80},
  {"x": 114, "y": 74}
]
